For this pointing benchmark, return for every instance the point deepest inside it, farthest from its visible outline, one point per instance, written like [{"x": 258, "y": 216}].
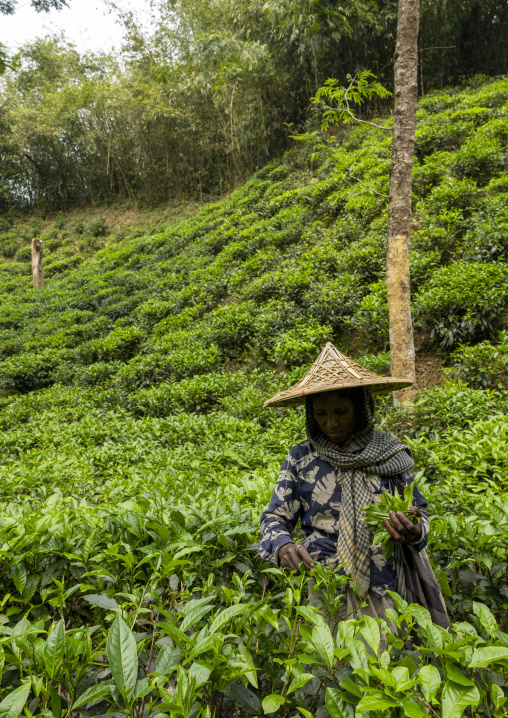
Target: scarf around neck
[{"x": 378, "y": 453}]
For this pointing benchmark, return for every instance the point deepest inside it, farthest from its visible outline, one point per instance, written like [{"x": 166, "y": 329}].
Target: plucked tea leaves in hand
[{"x": 379, "y": 511}]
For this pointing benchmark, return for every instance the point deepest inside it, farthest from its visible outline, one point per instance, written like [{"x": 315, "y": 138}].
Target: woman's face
[{"x": 336, "y": 416}]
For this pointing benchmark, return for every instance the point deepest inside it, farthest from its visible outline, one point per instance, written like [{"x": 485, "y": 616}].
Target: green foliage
[
  {"x": 136, "y": 456},
  {"x": 359, "y": 89},
  {"x": 8, "y": 244},
  {"x": 98, "y": 227},
  {"x": 463, "y": 302},
  {"x": 372, "y": 317},
  {"x": 30, "y": 370},
  {"x": 479, "y": 158},
  {"x": 120, "y": 344},
  {"x": 24, "y": 254},
  {"x": 300, "y": 344},
  {"x": 482, "y": 365}
]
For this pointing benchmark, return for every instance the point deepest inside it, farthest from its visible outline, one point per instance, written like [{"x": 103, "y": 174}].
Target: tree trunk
[
  {"x": 399, "y": 214},
  {"x": 37, "y": 270},
  {"x": 506, "y": 158}
]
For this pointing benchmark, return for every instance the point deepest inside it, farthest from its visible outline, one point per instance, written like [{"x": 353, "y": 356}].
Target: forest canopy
[{"x": 210, "y": 94}]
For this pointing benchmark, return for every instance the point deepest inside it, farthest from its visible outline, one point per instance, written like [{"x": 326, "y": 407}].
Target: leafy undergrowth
[{"x": 136, "y": 457}]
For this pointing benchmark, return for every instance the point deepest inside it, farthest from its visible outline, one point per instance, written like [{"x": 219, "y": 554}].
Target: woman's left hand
[{"x": 402, "y": 529}]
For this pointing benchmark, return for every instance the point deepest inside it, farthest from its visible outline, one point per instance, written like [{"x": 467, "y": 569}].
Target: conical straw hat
[{"x": 333, "y": 370}]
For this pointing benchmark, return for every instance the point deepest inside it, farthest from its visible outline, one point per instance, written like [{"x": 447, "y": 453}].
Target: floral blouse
[{"x": 308, "y": 490}]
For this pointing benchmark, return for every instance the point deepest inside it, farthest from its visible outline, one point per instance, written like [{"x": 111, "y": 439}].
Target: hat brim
[{"x": 296, "y": 397}]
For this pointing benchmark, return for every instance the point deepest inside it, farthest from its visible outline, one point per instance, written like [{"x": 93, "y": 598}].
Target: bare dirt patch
[{"x": 428, "y": 371}]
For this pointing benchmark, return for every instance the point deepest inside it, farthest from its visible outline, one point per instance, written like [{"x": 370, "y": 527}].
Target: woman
[{"x": 327, "y": 481}]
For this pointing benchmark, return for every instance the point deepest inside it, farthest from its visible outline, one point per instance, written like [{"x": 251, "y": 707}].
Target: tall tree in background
[
  {"x": 9, "y": 7},
  {"x": 402, "y": 350}
]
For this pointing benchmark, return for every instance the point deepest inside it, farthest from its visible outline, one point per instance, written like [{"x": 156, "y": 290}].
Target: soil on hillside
[{"x": 428, "y": 371}]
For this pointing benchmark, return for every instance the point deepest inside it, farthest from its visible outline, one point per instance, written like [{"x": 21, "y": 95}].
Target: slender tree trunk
[
  {"x": 399, "y": 214},
  {"x": 506, "y": 158},
  {"x": 37, "y": 270}
]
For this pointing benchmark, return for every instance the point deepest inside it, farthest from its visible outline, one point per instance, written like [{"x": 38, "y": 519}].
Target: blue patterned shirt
[{"x": 308, "y": 491}]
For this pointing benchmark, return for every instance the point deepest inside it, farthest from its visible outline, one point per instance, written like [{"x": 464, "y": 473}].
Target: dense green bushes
[
  {"x": 463, "y": 302},
  {"x": 292, "y": 247},
  {"x": 483, "y": 364},
  {"x": 136, "y": 456}
]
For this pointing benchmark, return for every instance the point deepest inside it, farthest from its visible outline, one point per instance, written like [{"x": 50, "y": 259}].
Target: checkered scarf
[{"x": 378, "y": 453}]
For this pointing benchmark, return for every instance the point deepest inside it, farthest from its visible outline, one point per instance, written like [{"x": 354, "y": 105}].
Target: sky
[{"x": 87, "y": 23}]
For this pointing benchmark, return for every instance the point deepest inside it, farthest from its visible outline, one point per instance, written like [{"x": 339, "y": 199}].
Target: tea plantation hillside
[{"x": 136, "y": 456}]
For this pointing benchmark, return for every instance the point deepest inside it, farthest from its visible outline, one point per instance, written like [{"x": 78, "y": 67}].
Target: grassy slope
[{"x": 135, "y": 381}]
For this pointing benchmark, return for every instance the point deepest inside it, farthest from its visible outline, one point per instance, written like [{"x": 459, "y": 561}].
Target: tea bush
[
  {"x": 300, "y": 344},
  {"x": 463, "y": 302},
  {"x": 479, "y": 158},
  {"x": 30, "y": 371},
  {"x": 98, "y": 227},
  {"x": 482, "y": 365},
  {"x": 8, "y": 244},
  {"x": 372, "y": 317}
]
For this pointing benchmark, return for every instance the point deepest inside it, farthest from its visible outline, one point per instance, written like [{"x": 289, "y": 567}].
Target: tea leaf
[
  {"x": 54, "y": 649},
  {"x": 14, "y": 702},
  {"x": 123, "y": 657},
  {"x": 455, "y": 699},
  {"x": 337, "y": 706}
]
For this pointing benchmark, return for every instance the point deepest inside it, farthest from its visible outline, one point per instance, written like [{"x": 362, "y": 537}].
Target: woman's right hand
[{"x": 292, "y": 554}]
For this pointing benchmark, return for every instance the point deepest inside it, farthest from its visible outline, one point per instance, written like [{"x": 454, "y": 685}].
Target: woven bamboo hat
[{"x": 333, "y": 370}]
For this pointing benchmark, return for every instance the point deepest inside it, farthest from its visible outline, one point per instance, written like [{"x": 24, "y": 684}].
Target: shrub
[
  {"x": 90, "y": 243},
  {"x": 98, "y": 374},
  {"x": 183, "y": 320},
  {"x": 499, "y": 184},
  {"x": 120, "y": 305},
  {"x": 196, "y": 394},
  {"x": 275, "y": 318},
  {"x": 452, "y": 405},
  {"x": 97, "y": 227},
  {"x": 120, "y": 344},
  {"x": 301, "y": 343},
  {"x": 8, "y": 244},
  {"x": 422, "y": 265},
  {"x": 447, "y": 130},
  {"x": 294, "y": 280},
  {"x": 463, "y": 302},
  {"x": 379, "y": 363},
  {"x": 440, "y": 231},
  {"x": 481, "y": 365},
  {"x": 486, "y": 238},
  {"x": 366, "y": 258},
  {"x": 479, "y": 159},
  {"x": 62, "y": 265},
  {"x": 30, "y": 371},
  {"x": 34, "y": 228},
  {"x": 60, "y": 221},
  {"x": 154, "y": 310},
  {"x": 51, "y": 240},
  {"x": 246, "y": 403},
  {"x": 149, "y": 369},
  {"x": 334, "y": 301},
  {"x": 24, "y": 254},
  {"x": 452, "y": 193},
  {"x": 431, "y": 171},
  {"x": 372, "y": 317},
  {"x": 79, "y": 227},
  {"x": 232, "y": 326}
]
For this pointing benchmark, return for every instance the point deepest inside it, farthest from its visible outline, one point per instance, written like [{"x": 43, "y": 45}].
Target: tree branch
[
  {"x": 357, "y": 119},
  {"x": 31, "y": 159}
]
